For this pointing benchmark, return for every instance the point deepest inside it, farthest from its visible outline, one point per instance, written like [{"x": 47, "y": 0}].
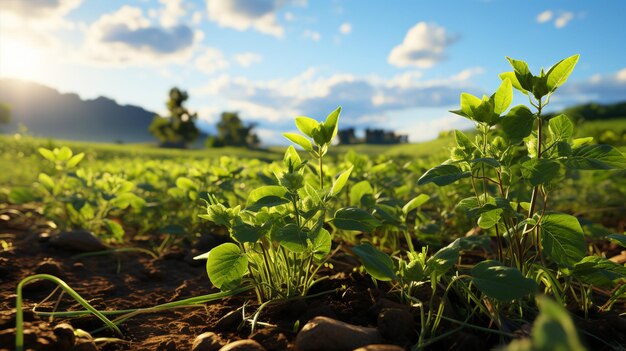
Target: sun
[{"x": 19, "y": 59}]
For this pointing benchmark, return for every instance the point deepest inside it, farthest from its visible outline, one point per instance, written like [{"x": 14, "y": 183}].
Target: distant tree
[
  {"x": 347, "y": 136},
  {"x": 179, "y": 128},
  {"x": 381, "y": 136},
  {"x": 231, "y": 131},
  {"x": 5, "y": 113}
]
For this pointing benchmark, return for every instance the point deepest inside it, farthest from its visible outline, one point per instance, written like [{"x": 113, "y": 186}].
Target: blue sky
[{"x": 394, "y": 64}]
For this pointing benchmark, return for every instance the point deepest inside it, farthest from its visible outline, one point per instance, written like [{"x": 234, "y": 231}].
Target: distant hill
[
  {"x": 594, "y": 112},
  {"x": 48, "y": 113}
]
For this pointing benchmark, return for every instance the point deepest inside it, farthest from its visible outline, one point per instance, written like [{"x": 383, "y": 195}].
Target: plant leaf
[
  {"x": 558, "y": 74},
  {"x": 416, "y": 202},
  {"x": 226, "y": 265},
  {"x": 266, "y": 196},
  {"x": 355, "y": 219},
  {"x": 341, "y": 181},
  {"x": 299, "y": 140},
  {"x": 561, "y": 128},
  {"x": 377, "y": 263},
  {"x": 562, "y": 239},
  {"x": 306, "y": 125},
  {"x": 596, "y": 157},
  {"x": 518, "y": 123},
  {"x": 540, "y": 171},
  {"x": 500, "y": 282},
  {"x": 442, "y": 175},
  {"x": 503, "y": 96}
]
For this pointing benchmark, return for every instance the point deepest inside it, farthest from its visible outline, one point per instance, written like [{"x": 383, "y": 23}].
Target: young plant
[
  {"x": 513, "y": 164},
  {"x": 280, "y": 239}
]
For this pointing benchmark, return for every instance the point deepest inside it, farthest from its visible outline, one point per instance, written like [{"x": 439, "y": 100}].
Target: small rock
[
  {"x": 327, "y": 334},
  {"x": 380, "y": 347},
  {"x": 271, "y": 338},
  {"x": 208, "y": 341},
  {"x": 619, "y": 259},
  {"x": 77, "y": 240},
  {"x": 395, "y": 323},
  {"x": 65, "y": 336},
  {"x": 243, "y": 345},
  {"x": 49, "y": 266},
  {"x": 229, "y": 321}
]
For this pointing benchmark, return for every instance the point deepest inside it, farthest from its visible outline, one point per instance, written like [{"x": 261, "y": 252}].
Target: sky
[{"x": 398, "y": 65}]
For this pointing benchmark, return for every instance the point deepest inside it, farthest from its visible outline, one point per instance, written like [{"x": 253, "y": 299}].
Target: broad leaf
[
  {"x": 416, "y": 202},
  {"x": 186, "y": 184},
  {"x": 596, "y": 157},
  {"x": 554, "y": 329},
  {"x": 359, "y": 190},
  {"x": 513, "y": 78},
  {"x": 599, "y": 271},
  {"x": 562, "y": 239},
  {"x": 444, "y": 259},
  {"x": 561, "y": 128},
  {"x": 306, "y": 125},
  {"x": 246, "y": 233},
  {"x": 468, "y": 103},
  {"x": 619, "y": 239},
  {"x": 500, "y": 282},
  {"x": 226, "y": 265},
  {"x": 462, "y": 141},
  {"x": 340, "y": 182},
  {"x": 321, "y": 243},
  {"x": 518, "y": 123},
  {"x": 443, "y": 175},
  {"x": 490, "y": 218},
  {"x": 558, "y": 74},
  {"x": 522, "y": 73},
  {"x": 355, "y": 219},
  {"x": 266, "y": 196},
  {"x": 292, "y": 238},
  {"x": 377, "y": 263},
  {"x": 73, "y": 162},
  {"x": 540, "y": 171},
  {"x": 299, "y": 140},
  {"x": 47, "y": 154},
  {"x": 331, "y": 124},
  {"x": 503, "y": 96}
]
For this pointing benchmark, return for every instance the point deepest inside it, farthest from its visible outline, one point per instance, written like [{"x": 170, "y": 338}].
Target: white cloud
[
  {"x": 172, "y": 11},
  {"x": 43, "y": 9},
  {"x": 211, "y": 60},
  {"x": 621, "y": 75},
  {"x": 247, "y": 59},
  {"x": 196, "y": 18},
  {"x": 597, "y": 88},
  {"x": 563, "y": 19},
  {"x": 289, "y": 16},
  {"x": 545, "y": 16},
  {"x": 126, "y": 36},
  {"x": 423, "y": 46},
  {"x": 313, "y": 35},
  {"x": 345, "y": 28},
  {"x": 259, "y": 15}
]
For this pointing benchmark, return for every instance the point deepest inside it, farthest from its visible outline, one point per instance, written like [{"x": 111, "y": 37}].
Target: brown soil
[{"x": 135, "y": 280}]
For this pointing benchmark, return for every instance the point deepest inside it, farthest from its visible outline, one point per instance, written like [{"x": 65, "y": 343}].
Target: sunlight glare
[{"x": 18, "y": 59}]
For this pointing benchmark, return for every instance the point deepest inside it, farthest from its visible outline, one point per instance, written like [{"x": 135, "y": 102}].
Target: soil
[{"x": 134, "y": 280}]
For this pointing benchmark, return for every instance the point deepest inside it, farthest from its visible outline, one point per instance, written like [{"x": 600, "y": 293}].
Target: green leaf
[
  {"x": 518, "y": 123},
  {"x": 522, "y": 73},
  {"x": 63, "y": 154},
  {"x": 562, "y": 239},
  {"x": 186, "y": 184},
  {"x": 331, "y": 125},
  {"x": 321, "y": 243},
  {"x": 513, "y": 78},
  {"x": 341, "y": 181},
  {"x": 490, "y": 218},
  {"x": 500, "y": 282},
  {"x": 46, "y": 181},
  {"x": 73, "y": 162},
  {"x": 292, "y": 238},
  {"x": 599, "y": 271},
  {"x": 416, "y": 202},
  {"x": 128, "y": 199},
  {"x": 462, "y": 141},
  {"x": 443, "y": 175},
  {"x": 246, "y": 233},
  {"x": 306, "y": 125},
  {"x": 226, "y": 265},
  {"x": 358, "y": 190},
  {"x": 299, "y": 140},
  {"x": 355, "y": 219},
  {"x": 596, "y": 157},
  {"x": 503, "y": 96},
  {"x": 558, "y": 74},
  {"x": 469, "y": 102},
  {"x": 540, "y": 171},
  {"x": 487, "y": 161},
  {"x": 47, "y": 154},
  {"x": 377, "y": 263},
  {"x": 114, "y": 228},
  {"x": 444, "y": 259},
  {"x": 266, "y": 196},
  {"x": 561, "y": 128},
  {"x": 291, "y": 157},
  {"x": 554, "y": 329},
  {"x": 619, "y": 239}
]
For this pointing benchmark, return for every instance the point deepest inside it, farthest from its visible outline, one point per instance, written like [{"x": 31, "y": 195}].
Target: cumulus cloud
[
  {"x": 598, "y": 88},
  {"x": 247, "y": 59},
  {"x": 345, "y": 28},
  {"x": 127, "y": 36},
  {"x": 259, "y": 15},
  {"x": 545, "y": 16},
  {"x": 313, "y": 35},
  {"x": 42, "y": 9},
  {"x": 211, "y": 60},
  {"x": 560, "y": 20},
  {"x": 371, "y": 99},
  {"x": 423, "y": 46},
  {"x": 172, "y": 11}
]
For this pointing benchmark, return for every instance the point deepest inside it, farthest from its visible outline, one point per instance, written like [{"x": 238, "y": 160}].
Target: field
[{"x": 510, "y": 236}]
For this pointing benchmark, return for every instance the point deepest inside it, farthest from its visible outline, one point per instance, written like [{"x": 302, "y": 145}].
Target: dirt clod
[{"x": 208, "y": 341}]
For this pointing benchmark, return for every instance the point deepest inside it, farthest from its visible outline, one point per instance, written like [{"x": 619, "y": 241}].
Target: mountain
[{"x": 48, "y": 113}]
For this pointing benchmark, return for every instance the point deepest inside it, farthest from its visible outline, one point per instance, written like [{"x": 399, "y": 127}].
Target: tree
[
  {"x": 179, "y": 128},
  {"x": 5, "y": 113},
  {"x": 231, "y": 131}
]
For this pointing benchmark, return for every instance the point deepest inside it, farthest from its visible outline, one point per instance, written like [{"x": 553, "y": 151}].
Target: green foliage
[
  {"x": 232, "y": 132},
  {"x": 179, "y": 128},
  {"x": 5, "y": 113}
]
